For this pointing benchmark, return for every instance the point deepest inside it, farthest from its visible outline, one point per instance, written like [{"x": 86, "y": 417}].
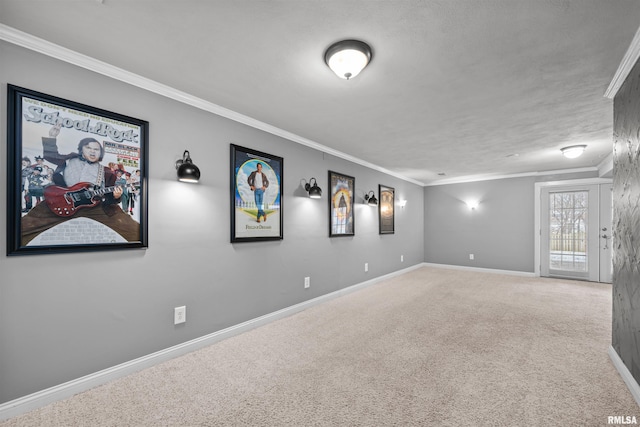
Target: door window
[{"x": 568, "y": 238}]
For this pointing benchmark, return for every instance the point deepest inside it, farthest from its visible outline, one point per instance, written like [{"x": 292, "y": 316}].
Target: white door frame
[
  {"x": 536, "y": 208},
  {"x": 606, "y": 213}
]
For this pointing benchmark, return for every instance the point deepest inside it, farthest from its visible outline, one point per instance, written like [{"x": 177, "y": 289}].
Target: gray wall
[
  {"x": 499, "y": 232},
  {"x": 626, "y": 223},
  {"x": 55, "y": 327}
]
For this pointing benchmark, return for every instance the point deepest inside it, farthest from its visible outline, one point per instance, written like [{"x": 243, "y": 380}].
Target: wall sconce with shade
[
  {"x": 472, "y": 204},
  {"x": 573, "y": 151},
  {"x": 314, "y": 191},
  {"x": 370, "y": 198},
  {"x": 187, "y": 171},
  {"x": 402, "y": 203},
  {"x": 347, "y": 58}
]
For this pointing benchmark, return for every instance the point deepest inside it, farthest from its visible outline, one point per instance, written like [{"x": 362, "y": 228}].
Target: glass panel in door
[
  {"x": 568, "y": 215},
  {"x": 569, "y": 232}
]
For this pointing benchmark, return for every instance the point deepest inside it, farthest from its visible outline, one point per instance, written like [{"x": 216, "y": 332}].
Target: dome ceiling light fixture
[
  {"x": 347, "y": 58},
  {"x": 573, "y": 151}
]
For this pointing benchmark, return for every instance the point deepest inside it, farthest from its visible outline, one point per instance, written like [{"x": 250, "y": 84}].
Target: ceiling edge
[
  {"x": 45, "y": 47},
  {"x": 508, "y": 176},
  {"x": 628, "y": 61},
  {"x": 606, "y": 165}
]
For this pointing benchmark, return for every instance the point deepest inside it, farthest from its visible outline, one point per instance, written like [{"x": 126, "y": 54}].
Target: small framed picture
[
  {"x": 386, "y": 215},
  {"x": 341, "y": 218},
  {"x": 256, "y": 195},
  {"x": 77, "y": 176}
]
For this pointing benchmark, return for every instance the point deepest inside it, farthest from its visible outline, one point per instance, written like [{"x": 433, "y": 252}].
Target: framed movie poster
[
  {"x": 256, "y": 195},
  {"x": 77, "y": 176},
  {"x": 386, "y": 215},
  {"x": 341, "y": 218}
]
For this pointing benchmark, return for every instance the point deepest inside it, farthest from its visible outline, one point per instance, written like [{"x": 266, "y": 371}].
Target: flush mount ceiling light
[
  {"x": 347, "y": 58},
  {"x": 573, "y": 151}
]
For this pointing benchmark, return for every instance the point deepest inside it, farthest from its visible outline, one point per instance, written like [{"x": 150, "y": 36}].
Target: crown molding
[
  {"x": 605, "y": 167},
  {"x": 28, "y": 41},
  {"x": 628, "y": 61},
  {"x": 477, "y": 178}
]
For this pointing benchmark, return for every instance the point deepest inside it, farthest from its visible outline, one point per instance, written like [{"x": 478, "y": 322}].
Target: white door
[{"x": 571, "y": 220}]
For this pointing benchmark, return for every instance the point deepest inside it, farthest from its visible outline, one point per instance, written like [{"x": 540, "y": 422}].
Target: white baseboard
[
  {"x": 628, "y": 379},
  {"x": 481, "y": 270},
  {"x": 42, "y": 398}
]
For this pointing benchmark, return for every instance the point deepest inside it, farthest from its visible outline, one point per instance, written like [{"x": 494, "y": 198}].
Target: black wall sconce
[
  {"x": 371, "y": 199},
  {"x": 314, "y": 191},
  {"x": 187, "y": 171}
]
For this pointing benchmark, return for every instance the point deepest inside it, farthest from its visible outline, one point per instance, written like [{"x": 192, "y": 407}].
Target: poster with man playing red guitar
[{"x": 77, "y": 176}]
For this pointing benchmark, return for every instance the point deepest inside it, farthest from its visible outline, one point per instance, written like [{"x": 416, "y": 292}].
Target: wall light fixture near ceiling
[
  {"x": 371, "y": 199},
  {"x": 347, "y": 58},
  {"x": 187, "y": 171},
  {"x": 472, "y": 204},
  {"x": 573, "y": 151},
  {"x": 314, "y": 191}
]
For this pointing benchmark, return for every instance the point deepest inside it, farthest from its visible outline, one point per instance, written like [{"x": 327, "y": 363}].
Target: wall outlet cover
[{"x": 180, "y": 315}]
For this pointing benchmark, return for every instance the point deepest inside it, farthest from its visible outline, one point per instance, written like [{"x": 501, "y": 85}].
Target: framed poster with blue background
[{"x": 256, "y": 195}]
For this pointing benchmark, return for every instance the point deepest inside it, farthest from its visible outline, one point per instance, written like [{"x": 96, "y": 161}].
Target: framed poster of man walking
[
  {"x": 77, "y": 176},
  {"x": 256, "y": 195}
]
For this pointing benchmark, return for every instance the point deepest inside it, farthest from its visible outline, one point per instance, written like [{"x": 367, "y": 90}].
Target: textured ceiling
[{"x": 462, "y": 87}]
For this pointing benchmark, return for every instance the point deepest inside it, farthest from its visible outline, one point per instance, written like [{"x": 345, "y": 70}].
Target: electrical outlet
[
  {"x": 179, "y": 315},
  {"x": 401, "y": 258},
  {"x": 366, "y": 267},
  {"x": 470, "y": 256},
  {"x": 307, "y": 282}
]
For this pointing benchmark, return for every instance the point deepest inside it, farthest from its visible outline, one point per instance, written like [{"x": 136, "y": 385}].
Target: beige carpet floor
[{"x": 433, "y": 347}]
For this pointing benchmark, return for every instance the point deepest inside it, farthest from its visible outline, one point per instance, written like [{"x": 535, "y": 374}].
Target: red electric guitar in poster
[{"x": 66, "y": 202}]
